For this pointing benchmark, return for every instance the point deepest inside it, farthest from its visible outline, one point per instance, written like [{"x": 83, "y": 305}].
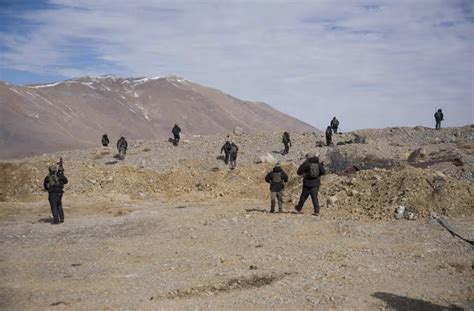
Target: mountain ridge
[{"x": 40, "y": 118}]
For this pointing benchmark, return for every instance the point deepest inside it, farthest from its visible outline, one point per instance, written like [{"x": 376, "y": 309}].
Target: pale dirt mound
[{"x": 370, "y": 194}]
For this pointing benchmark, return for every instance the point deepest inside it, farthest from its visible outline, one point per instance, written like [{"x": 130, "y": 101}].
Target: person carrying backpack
[
  {"x": 328, "y": 136},
  {"x": 286, "y": 141},
  {"x": 105, "y": 140},
  {"x": 233, "y": 155},
  {"x": 311, "y": 169},
  {"x": 438, "y": 118},
  {"x": 226, "y": 148},
  {"x": 54, "y": 184},
  {"x": 277, "y": 179},
  {"x": 334, "y": 124},
  {"x": 122, "y": 146},
  {"x": 175, "y": 131}
]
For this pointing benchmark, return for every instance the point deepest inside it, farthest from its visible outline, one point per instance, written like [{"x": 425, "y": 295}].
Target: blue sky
[{"x": 370, "y": 63}]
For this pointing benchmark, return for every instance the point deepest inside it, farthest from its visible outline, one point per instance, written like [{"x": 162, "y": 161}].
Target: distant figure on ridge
[
  {"x": 328, "y": 136},
  {"x": 176, "y": 130},
  {"x": 277, "y": 179},
  {"x": 439, "y": 117},
  {"x": 105, "y": 140},
  {"x": 122, "y": 146},
  {"x": 311, "y": 169},
  {"x": 233, "y": 155},
  {"x": 54, "y": 184},
  {"x": 286, "y": 141},
  {"x": 334, "y": 124},
  {"x": 226, "y": 148}
]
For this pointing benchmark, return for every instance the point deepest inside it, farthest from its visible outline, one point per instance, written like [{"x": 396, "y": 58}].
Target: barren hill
[{"x": 75, "y": 113}]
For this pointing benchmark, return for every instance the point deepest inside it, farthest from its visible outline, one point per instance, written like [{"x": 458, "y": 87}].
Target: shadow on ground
[{"x": 401, "y": 303}]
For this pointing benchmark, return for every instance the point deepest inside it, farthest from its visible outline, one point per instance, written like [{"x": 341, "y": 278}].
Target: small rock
[
  {"x": 268, "y": 158},
  {"x": 331, "y": 200},
  {"x": 238, "y": 130}
]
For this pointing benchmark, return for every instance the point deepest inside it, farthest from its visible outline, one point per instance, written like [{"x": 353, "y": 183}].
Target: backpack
[
  {"x": 233, "y": 149},
  {"x": 335, "y": 122},
  {"x": 313, "y": 170},
  {"x": 53, "y": 180},
  {"x": 276, "y": 178},
  {"x": 286, "y": 138}
]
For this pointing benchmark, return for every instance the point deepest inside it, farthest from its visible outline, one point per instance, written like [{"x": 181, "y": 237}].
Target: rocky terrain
[
  {"x": 75, "y": 113},
  {"x": 173, "y": 228}
]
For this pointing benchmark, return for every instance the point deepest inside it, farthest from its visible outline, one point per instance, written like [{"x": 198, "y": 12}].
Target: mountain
[{"x": 75, "y": 113}]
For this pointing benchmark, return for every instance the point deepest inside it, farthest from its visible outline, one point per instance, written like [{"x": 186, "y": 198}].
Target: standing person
[
  {"x": 334, "y": 124},
  {"x": 176, "y": 130},
  {"x": 328, "y": 135},
  {"x": 438, "y": 118},
  {"x": 311, "y": 170},
  {"x": 122, "y": 146},
  {"x": 233, "y": 155},
  {"x": 54, "y": 184},
  {"x": 226, "y": 148},
  {"x": 286, "y": 141},
  {"x": 105, "y": 140},
  {"x": 277, "y": 179}
]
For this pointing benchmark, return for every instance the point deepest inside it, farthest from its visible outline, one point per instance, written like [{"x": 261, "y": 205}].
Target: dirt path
[{"x": 228, "y": 256}]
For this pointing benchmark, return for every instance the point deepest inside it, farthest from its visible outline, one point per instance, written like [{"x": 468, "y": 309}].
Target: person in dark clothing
[
  {"x": 438, "y": 118},
  {"x": 226, "y": 149},
  {"x": 277, "y": 179},
  {"x": 286, "y": 141},
  {"x": 233, "y": 155},
  {"x": 334, "y": 124},
  {"x": 105, "y": 140},
  {"x": 54, "y": 184},
  {"x": 311, "y": 169},
  {"x": 328, "y": 136},
  {"x": 176, "y": 130},
  {"x": 122, "y": 146}
]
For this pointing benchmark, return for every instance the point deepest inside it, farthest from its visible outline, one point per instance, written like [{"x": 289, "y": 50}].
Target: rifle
[{"x": 60, "y": 166}]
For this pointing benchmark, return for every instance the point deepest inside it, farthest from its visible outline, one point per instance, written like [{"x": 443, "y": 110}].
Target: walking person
[
  {"x": 226, "y": 148},
  {"x": 54, "y": 183},
  {"x": 176, "y": 131},
  {"x": 334, "y": 125},
  {"x": 287, "y": 142},
  {"x": 311, "y": 170},
  {"x": 438, "y": 118},
  {"x": 122, "y": 146},
  {"x": 105, "y": 140},
  {"x": 328, "y": 136},
  {"x": 233, "y": 155},
  {"x": 277, "y": 179}
]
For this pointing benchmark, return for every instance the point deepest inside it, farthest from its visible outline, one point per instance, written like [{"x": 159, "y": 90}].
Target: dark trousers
[
  {"x": 176, "y": 138},
  {"x": 438, "y": 125},
  {"x": 334, "y": 129},
  {"x": 56, "y": 206},
  {"x": 287, "y": 148},
  {"x": 233, "y": 160},
  {"x": 314, "y": 197},
  {"x": 328, "y": 140},
  {"x": 226, "y": 158}
]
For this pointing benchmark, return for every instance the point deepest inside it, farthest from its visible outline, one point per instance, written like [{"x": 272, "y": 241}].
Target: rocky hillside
[
  {"x": 370, "y": 172},
  {"x": 75, "y": 113}
]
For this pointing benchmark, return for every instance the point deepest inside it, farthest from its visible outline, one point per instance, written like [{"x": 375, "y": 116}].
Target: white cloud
[{"x": 371, "y": 65}]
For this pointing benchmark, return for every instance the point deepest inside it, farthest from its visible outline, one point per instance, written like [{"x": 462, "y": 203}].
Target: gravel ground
[{"x": 233, "y": 256}]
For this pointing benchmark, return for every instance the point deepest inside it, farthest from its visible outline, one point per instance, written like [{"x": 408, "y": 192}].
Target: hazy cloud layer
[{"x": 371, "y": 63}]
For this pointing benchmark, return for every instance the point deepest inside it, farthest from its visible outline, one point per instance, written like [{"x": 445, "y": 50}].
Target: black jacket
[
  {"x": 56, "y": 188},
  {"x": 176, "y": 130},
  {"x": 122, "y": 144},
  {"x": 334, "y": 123},
  {"x": 304, "y": 169},
  {"x": 226, "y": 147},
  {"x": 105, "y": 140},
  {"x": 276, "y": 186},
  {"x": 439, "y": 116}
]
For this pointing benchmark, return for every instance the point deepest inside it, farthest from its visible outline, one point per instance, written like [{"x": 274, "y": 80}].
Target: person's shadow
[
  {"x": 401, "y": 303},
  {"x": 45, "y": 220}
]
